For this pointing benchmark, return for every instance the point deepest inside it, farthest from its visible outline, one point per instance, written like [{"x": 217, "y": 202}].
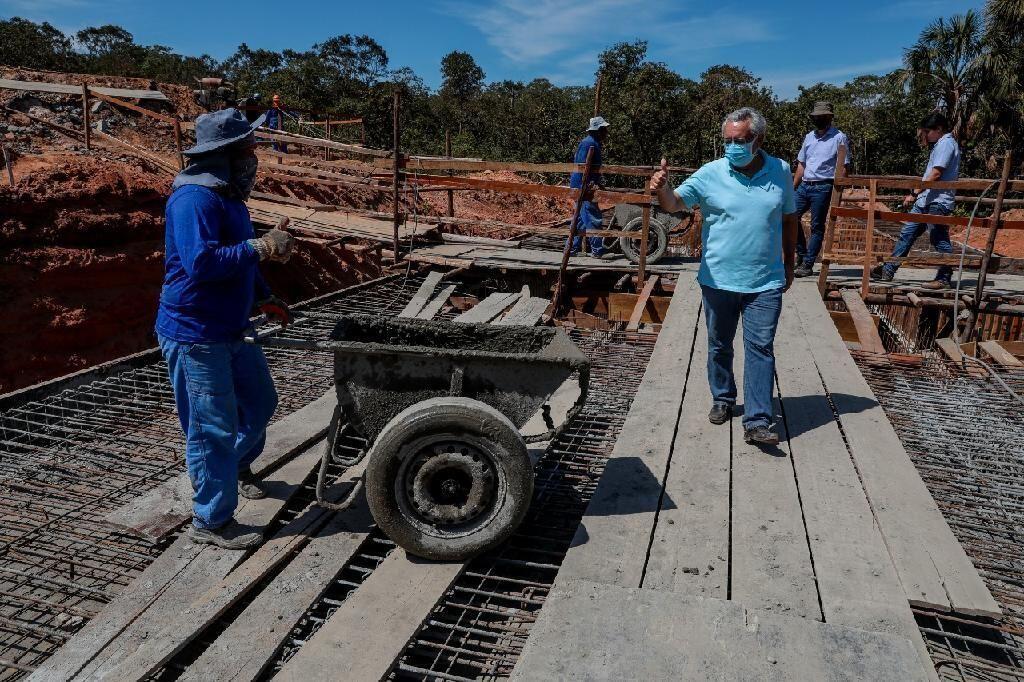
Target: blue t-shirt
[
  {"x": 742, "y": 231},
  {"x": 211, "y": 275},
  {"x": 945, "y": 155},
  {"x": 818, "y": 154},
  {"x": 576, "y": 179}
]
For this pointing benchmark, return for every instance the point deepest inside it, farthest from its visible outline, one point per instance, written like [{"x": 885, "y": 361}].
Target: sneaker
[
  {"x": 760, "y": 435},
  {"x": 232, "y": 535},
  {"x": 720, "y": 413},
  {"x": 879, "y": 274},
  {"x": 249, "y": 486},
  {"x": 803, "y": 270},
  {"x": 936, "y": 284}
]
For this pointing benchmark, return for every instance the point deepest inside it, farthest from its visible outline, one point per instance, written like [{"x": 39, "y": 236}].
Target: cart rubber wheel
[
  {"x": 449, "y": 478},
  {"x": 657, "y": 240}
]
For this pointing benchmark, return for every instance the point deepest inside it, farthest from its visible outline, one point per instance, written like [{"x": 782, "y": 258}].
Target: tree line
[{"x": 967, "y": 66}]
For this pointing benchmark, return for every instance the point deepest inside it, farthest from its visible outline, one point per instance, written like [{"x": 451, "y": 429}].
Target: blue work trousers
[
  {"x": 760, "y": 312},
  {"x": 590, "y": 219},
  {"x": 814, "y": 198},
  {"x": 939, "y": 235},
  {"x": 225, "y": 398}
]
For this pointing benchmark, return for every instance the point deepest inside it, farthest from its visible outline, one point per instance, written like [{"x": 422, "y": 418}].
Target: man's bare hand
[{"x": 659, "y": 179}]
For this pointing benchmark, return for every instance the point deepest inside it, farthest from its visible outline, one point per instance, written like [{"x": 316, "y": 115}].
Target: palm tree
[{"x": 948, "y": 65}]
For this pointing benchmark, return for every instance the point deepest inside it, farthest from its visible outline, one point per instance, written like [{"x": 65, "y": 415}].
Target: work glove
[
  {"x": 275, "y": 245},
  {"x": 276, "y": 310}
]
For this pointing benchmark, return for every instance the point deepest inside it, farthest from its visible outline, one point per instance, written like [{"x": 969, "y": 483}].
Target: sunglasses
[{"x": 740, "y": 140}]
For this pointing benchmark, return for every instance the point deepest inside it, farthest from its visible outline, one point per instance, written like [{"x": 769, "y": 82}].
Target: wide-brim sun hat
[
  {"x": 597, "y": 123},
  {"x": 822, "y": 109},
  {"x": 220, "y": 128}
]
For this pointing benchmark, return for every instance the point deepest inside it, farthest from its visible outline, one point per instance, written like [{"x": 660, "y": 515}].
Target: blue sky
[{"x": 785, "y": 43}]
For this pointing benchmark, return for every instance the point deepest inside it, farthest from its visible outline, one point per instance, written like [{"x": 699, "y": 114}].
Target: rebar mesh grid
[
  {"x": 69, "y": 458},
  {"x": 965, "y": 435},
  {"x": 482, "y": 623}
]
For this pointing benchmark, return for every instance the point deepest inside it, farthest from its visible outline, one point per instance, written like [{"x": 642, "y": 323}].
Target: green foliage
[{"x": 969, "y": 66}]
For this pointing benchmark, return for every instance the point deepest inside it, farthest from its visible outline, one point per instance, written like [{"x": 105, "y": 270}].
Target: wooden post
[
  {"x": 396, "y": 134},
  {"x": 830, "y": 224},
  {"x": 7, "y": 164},
  {"x": 177, "y": 144},
  {"x": 448, "y": 153},
  {"x": 869, "y": 239},
  {"x": 85, "y": 116},
  {"x": 645, "y": 229},
  {"x": 327, "y": 149},
  {"x": 990, "y": 245},
  {"x": 597, "y": 95},
  {"x": 556, "y": 300}
]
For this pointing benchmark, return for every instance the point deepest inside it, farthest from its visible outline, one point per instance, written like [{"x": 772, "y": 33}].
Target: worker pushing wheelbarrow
[{"x": 441, "y": 404}]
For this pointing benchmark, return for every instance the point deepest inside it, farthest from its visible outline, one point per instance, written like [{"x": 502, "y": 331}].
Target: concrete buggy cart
[{"x": 440, "y": 405}]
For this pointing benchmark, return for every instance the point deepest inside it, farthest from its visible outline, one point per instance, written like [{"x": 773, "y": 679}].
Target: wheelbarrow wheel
[
  {"x": 449, "y": 478},
  {"x": 657, "y": 240}
]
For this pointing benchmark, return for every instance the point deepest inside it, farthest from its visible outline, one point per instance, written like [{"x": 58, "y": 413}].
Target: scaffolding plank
[
  {"x": 164, "y": 508},
  {"x": 173, "y": 579},
  {"x": 856, "y": 579},
  {"x": 248, "y": 645},
  {"x": 370, "y": 629},
  {"x": 431, "y": 309},
  {"x": 690, "y": 552},
  {"x": 422, "y": 295},
  {"x": 863, "y": 322},
  {"x": 611, "y": 543},
  {"x": 933, "y": 568},
  {"x": 590, "y": 631},
  {"x": 641, "y": 304},
  {"x": 1000, "y": 354},
  {"x": 950, "y": 348},
  {"x": 68, "y": 89},
  {"x": 527, "y": 312},
  {"x": 489, "y": 308},
  {"x": 771, "y": 565}
]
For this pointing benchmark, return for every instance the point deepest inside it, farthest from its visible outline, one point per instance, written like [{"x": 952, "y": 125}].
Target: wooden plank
[
  {"x": 641, "y": 304},
  {"x": 436, "y": 303},
  {"x": 612, "y": 541},
  {"x": 934, "y": 570},
  {"x": 950, "y": 348},
  {"x": 690, "y": 551},
  {"x": 770, "y": 566},
  {"x": 908, "y": 182},
  {"x": 441, "y": 163},
  {"x": 67, "y": 89},
  {"x": 900, "y": 217},
  {"x": 94, "y": 92},
  {"x": 166, "y": 507},
  {"x": 1000, "y": 354},
  {"x": 171, "y": 580},
  {"x": 526, "y": 312},
  {"x": 489, "y": 308},
  {"x": 856, "y": 580},
  {"x": 589, "y": 631},
  {"x": 606, "y": 197},
  {"x": 865, "y": 324},
  {"x": 368, "y": 631},
  {"x": 422, "y": 295},
  {"x": 295, "y": 138}
]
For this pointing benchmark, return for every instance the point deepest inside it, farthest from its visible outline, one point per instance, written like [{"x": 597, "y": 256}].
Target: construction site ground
[{"x": 879, "y": 540}]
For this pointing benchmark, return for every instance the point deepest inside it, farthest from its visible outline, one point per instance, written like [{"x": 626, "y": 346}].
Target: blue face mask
[{"x": 740, "y": 155}]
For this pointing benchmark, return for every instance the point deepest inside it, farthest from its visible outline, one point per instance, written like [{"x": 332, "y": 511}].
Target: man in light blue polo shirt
[
  {"x": 749, "y": 250},
  {"x": 943, "y": 164},
  {"x": 815, "y": 173}
]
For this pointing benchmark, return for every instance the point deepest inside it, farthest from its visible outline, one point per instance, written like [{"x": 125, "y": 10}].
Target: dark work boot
[
  {"x": 232, "y": 535},
  {"x": 249, "y": 486},
  {"x": 720, "y": 413},
  {"x": 878, "y": 274},
  {"x": 761, "y": 435},
  {"x": 803, "y": 270},
  {"x": 936, "y": 284}
]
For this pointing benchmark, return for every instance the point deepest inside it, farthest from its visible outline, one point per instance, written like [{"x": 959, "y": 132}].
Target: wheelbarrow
[{"x": 440, "y": 405}]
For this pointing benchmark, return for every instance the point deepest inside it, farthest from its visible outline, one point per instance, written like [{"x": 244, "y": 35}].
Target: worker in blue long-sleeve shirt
[
  {"x": 590, "y": 215},
  {"x": 222, "y": 387}
]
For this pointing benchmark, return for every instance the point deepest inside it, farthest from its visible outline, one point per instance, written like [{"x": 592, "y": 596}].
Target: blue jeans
[
  {"x": 225, "y": 398},
  {"x": 760, "y": 313},
  {"x": 815, "y": 198},
  {"x": 939, "y": 235},
  {"x": 590, "y": 219}
]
